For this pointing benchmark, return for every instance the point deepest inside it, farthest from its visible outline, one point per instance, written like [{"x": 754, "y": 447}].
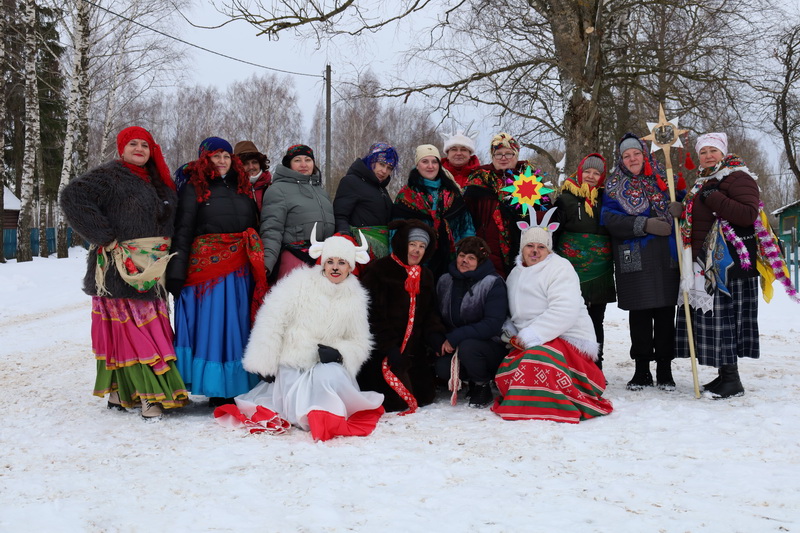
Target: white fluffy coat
[
  {"x": 545, "y": 303},
  {"x": 305, "y": 309}
]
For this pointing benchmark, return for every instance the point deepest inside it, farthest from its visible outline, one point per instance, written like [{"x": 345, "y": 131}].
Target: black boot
[
  {"x": 713, "y": 384},
  {"x": 641, "y": 377},
  {"x": 664, "y": 378},
  {"x": 482, "y": 396},
  {"x": 599, "y": 361},
  {"x": 729, "y": 383}
]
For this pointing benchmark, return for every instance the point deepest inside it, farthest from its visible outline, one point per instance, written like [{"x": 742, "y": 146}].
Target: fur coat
[
  {"x": 306, "y": 309},
  {"x": 545, "y": 303},
  {"x": 385, "y": 280},
  {"x": 111, "y": 203}
]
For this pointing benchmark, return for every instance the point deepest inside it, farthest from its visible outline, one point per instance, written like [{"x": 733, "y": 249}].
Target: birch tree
[
  {"x": 786, "y": 116},
  {"x": 78, "y": 98},
  {"x": 24, "y": 252}
]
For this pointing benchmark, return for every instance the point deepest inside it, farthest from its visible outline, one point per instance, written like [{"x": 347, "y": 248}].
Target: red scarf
[
  {"x": 137, "y": 170},
  {"x": 413, "y": 277}
]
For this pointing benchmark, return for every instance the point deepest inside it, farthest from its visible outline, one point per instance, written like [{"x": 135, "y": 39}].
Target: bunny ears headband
[{"x": 536, "y": 232}]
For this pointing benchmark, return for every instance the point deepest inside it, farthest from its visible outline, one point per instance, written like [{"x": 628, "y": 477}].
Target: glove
[
  {"x": 710, "y": 187},
  {"x": 268, "y": 379},
  {"x": 174, "y": 287},
  {"x": 658, "y": 226},
  {"x": 676, "y": 209},
  {"x": 328, "y": 354}
]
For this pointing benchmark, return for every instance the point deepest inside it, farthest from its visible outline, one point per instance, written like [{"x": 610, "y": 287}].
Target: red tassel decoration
[
  {"x": 689, "y": 164},
  {"x": 681, "y": 185},
  {"x": 648, "y": 170}
]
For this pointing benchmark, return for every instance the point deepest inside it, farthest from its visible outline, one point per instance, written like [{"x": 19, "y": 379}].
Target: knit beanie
[
  {"x": 717, "y": 140},
  {"x": 295, "y": 150},
  {"x": 425, "y": 150},
  {"x": 630, "y": 142},
  {"x": 212, "y": 144},
  {"x": 475, "y": 246},
  {"x": 536, "y": 234},
  {"x": 504, "y": 140},
  {"x": 381, "y": 152},
  {"x": 594, "y": 162},
  {"x": 459, "y": 139},
  {"x": 419, "y": 235},
  {"x": 135, "y": 132}
]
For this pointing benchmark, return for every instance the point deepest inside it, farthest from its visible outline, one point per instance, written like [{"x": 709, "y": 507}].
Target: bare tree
[
  {"x": 3, "y": 110},
  {"x": 263, "y": 109},
  {"x": 78, "y": 98},
  {"x": 32, "y": 141},
  {"x": 551, "y": 69},
  {"x": 787, "y": 100}
]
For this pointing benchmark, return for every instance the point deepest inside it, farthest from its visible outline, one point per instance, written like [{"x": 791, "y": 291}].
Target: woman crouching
[
  {"x": 308, "y": 343},
  {"x": 550, "y": 374}
]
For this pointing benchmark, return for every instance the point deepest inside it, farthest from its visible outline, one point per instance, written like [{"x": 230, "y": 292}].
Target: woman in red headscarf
[
  {"x": 126, "y": 210},
  {"x": 584, "y": 242}
]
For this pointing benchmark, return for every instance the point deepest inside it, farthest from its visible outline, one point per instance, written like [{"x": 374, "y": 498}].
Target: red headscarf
[{"x": 135, "y": 132}]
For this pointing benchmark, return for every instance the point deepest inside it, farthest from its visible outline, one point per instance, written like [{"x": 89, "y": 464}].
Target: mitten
[
  {"x": 658, "y": 226},
  {"x": 676, "y": 209}
]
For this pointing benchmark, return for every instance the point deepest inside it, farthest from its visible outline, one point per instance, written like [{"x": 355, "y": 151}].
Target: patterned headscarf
[
  {"x": 381, "y": 152},
  {"x": 135, "y": 132},
  {"x": 502, "y": 140}
]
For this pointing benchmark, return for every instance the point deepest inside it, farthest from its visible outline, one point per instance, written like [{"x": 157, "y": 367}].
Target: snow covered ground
[{"x": 661, "y": 462}]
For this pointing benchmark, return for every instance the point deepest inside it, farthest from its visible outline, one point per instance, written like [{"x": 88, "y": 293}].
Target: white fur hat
[
  {"x": 339, "y": 246},
  {"x": 459, "y": 139},
  {"x": 718, "y": 140}
]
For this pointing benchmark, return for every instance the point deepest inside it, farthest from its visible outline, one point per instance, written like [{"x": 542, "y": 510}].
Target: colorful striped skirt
[
  {"x": 550, "y": 382},
  {"x": 132, "y": 343}
]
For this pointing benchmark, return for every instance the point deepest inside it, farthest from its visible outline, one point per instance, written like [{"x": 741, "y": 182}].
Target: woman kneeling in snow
[
  {"x": 312, "y": 336},
  {"x": 550, "y": 374}
]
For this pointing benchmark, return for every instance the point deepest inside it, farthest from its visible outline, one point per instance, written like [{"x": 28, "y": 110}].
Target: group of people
[{"x": 294, "y": 309}]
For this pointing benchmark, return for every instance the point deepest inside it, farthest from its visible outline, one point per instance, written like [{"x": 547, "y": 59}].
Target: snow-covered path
[{"x": 661, "y": 462}]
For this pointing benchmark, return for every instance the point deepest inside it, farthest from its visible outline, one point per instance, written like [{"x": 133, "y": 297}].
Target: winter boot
[
  {"x": 664, "y": 378},
  {"x": 114, "y": 403},
  {"x": 151, "y": 411},
  {"x": 482, "y": 397},
  {"x": 599, "y": 361},
  {"x": 641, "y": 377},
  {"x": 472, "y": 389},
  {"x": 713, "y": 384},
  {"x": 729, "y": 383}
]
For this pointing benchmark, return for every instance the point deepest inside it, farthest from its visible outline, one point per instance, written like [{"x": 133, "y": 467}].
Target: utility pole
[{"x": 328, "y": 177}]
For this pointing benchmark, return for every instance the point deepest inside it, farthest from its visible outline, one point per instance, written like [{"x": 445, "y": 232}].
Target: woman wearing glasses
[{"x": 495, "y": 219}]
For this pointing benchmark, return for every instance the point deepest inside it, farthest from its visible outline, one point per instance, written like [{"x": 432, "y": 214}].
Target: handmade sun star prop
[{"x": 527, "y": 189}]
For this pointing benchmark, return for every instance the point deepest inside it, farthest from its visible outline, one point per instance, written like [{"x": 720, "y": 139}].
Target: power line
[{"x": 187, "y": 43}]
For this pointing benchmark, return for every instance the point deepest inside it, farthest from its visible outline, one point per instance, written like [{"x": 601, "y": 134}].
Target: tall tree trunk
[
  {"x": 44, "y": 248},
  {"x": 80, "y": 76},
  {"x": 3, "y": 128},
  {"x": 32, "y": 140}
]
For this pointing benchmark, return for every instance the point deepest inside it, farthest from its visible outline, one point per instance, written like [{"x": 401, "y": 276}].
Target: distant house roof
[
  {"x": 10, "y": 202},
  {"x": 784, "y": 208}
]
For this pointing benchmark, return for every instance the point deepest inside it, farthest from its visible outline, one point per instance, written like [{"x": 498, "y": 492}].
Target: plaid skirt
[{"x": 726, "y": 333}]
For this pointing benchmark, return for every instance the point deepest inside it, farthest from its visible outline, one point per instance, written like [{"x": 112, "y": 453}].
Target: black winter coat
[
  {"x": 225, "y": 211},
  {"x": 111, "y": 203},
  {"x": 474, "y": 305},
  {"x": 361, "y": 199}
]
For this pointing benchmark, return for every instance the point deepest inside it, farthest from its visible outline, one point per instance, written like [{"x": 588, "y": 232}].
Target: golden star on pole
[{"x": 664, "y": 134}]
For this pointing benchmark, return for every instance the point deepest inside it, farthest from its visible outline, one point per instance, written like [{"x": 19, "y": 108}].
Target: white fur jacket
[
  {"x": 545, "y": 303},
  {"x": 305, "y": 309}
]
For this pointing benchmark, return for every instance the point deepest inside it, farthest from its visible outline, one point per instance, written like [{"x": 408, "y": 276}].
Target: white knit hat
[
  {"x": 459, "y": 139},
  {"x": 425, "y": 150},
  {"x": 535, "y": 232},
  {"x": 718, "y": 140},
  {"x": 341, "y": 247}
]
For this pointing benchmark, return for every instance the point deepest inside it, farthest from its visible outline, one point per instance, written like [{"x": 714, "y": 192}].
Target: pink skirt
[{"x": 127, "y": 332}]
